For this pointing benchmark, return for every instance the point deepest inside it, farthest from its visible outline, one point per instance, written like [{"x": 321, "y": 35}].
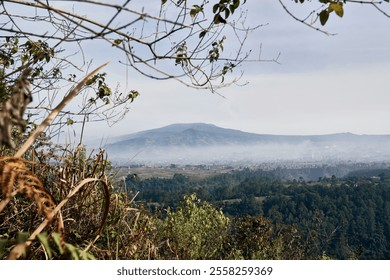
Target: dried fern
[{"x": 16, "y": 178}]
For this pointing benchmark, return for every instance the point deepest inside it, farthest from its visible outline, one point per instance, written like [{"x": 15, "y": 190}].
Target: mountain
[
  {"x": 197, "y": 134},
  {"x": 200, "y": 143}
]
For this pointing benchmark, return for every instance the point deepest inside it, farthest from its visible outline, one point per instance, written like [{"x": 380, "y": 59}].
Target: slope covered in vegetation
[{"x": 344, "y": 217}]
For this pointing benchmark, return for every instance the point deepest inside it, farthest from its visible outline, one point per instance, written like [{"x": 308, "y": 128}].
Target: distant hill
[
  {"x": 207, "y": 143},
  {"x": 197, "y": 134}
]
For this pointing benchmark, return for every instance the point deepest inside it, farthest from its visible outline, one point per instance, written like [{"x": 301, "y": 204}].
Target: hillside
[{"x": 200, "y": 143}]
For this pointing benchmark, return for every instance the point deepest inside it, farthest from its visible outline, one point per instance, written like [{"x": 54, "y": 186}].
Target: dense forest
[{"x": 344, "y": 218}]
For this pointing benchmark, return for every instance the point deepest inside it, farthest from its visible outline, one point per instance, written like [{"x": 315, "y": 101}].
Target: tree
[{"x": 196, "y": 230}]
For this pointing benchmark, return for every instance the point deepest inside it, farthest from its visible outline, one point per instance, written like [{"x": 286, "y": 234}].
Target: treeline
[{"x": 345, "y": 218}]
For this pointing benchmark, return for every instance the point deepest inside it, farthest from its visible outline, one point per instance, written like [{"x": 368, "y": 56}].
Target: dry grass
[
  {"x": 83, "y": 206},
  {"x": 33, "y": 187}
]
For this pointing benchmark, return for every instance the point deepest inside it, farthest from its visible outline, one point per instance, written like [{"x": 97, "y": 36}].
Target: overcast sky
[{"x": 323, "y": 84}]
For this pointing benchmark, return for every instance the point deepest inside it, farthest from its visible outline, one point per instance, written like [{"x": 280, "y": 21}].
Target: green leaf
[
  {"x": 24, "y": 58},
  {"x": 193, "y": 13},
  {"x": 73, "y": 251},
  {"x": 69, "y": 121},
  {"x": 232, "y": 9},
  {"x": 163, "y": 2},
  {"x": 215, "y": 8},
  {"x": 324, "y": 16},
  {"x": 133, "y": 95},
  {"x": 43, "y": 238},
  {"x": 337, "y": 8},
  {"x": 92, "y": 80},
  {"x": 218, "y": 19},
  {"x": 57, "y": 240},
  {"x": 22, "y": 237},
  {"x": 3, "y": 247},
  {"x": 202, "y": 34},
  {"x": 117, "y": 42},
  {"x": 227, "y": 13},
  {"x": 196, "y": 9}
]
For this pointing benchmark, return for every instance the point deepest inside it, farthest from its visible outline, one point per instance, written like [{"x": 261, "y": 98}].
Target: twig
[
  {"x": 55, "y": 112},
  {"x": 304, "y": 22}
]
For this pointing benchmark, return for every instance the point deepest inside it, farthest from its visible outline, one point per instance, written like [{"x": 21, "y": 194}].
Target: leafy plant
[{"x": 196, "y": 230}]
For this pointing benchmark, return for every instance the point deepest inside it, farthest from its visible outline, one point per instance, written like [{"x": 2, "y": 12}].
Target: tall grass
[{"x": 34, "y": 186}]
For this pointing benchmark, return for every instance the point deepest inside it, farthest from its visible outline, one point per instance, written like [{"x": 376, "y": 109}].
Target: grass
[{"x": 194, "y": 172}]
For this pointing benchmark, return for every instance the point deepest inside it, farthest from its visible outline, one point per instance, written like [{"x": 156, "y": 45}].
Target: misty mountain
[
  {"x": 197, "y": 134},
  {"x": 200, "y": 143}
]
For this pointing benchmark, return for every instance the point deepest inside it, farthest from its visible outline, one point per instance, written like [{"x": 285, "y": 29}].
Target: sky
[{"x": 321, "y": 85}]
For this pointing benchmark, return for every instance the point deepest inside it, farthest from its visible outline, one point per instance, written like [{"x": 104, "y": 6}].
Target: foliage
[
  {"x": 321, "y": 10},
  {"x": 196, "y": 230},
  {"x": 255, "y": 237},
  {"x": 344, "y": 218}
]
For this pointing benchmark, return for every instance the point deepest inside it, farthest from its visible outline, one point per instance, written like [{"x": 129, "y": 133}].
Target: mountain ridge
[
  {"x": 188, "y": 128},
  {"x": 200, "y": 142}
]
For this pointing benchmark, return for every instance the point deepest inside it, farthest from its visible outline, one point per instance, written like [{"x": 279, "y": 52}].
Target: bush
[{"x": 195, "y": 231}]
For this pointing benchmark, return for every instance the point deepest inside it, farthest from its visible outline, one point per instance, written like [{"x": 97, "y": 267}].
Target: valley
[
  {"x": 205, "y": 144},
  {"x": 331, "y": 189}
]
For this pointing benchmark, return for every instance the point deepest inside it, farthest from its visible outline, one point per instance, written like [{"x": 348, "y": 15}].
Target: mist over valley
[{"x": 198, "y": 143}]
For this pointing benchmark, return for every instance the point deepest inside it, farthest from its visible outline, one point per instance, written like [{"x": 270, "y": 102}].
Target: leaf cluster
[
  {"x": 224, "y": 9},
  {"x": 328, "y": 7},
  {"x": 334, "y": 6}
]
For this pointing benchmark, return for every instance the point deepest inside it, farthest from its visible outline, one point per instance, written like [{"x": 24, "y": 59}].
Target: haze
[{"x": 211, "y": 145}]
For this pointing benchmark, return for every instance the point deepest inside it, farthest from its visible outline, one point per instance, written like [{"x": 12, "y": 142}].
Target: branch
[
  {"x": 55, "y": 112},
  {"x": 380, "y": 10},
  {"x": 303, "y": 21}
]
